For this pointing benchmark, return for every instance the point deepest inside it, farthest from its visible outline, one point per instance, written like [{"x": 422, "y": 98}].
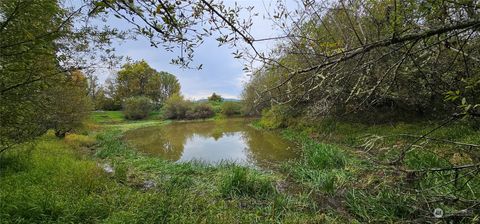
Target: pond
[{"x": 213, "y": 142}]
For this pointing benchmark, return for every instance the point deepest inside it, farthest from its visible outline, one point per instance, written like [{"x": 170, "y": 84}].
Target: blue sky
[{"x": 221, "y": 72}]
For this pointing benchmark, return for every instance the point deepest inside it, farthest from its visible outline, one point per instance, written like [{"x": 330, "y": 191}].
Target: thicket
[
  {"x": 41, "y": 86},
  {"x": 176, "y": 107},
  {"x": 138, "y": 107},
  {"x": 134, "y": 79},
  {"x": 376, "y": 62},
  {"x": 231, "y": 108},
  {"x": 199, "y": 111}
]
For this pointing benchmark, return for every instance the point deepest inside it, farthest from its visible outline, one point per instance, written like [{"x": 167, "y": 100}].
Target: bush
[
  {"x": 135, "y": 108},
  {"x": 109, "y": 104},
  {"x": 176, "y": 107},
  {"x": 68, "y": 104},
  {"x": 200, "y": 111},
  {"x": 231, "y": 108},
  {"x": 276, "y": 117}
]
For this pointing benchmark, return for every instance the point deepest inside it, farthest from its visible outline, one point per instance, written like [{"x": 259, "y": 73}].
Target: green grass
[
  {"x": 241, "y": 181},
  {"x": 336, "y": 179},
  {"x": 62, "y": 181},
  {"x": 107, "y": 117},
  {"x": 348, "y": 165},
  {"x": 321, "y": 167}
]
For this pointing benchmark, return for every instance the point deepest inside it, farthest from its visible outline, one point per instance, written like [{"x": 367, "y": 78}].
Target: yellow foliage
[
  {"x": 460, "y": 159},
  {"x": 80, "y": 140}
]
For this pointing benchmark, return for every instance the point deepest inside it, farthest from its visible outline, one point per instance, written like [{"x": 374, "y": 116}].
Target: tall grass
[
  {"x": 350, "y": 161},
  {"x": 335, "y": 180},
  {"x": 321, "y": 166},
  {"x": 241, "y": 181},
  {"x": 51, "y": 183}
]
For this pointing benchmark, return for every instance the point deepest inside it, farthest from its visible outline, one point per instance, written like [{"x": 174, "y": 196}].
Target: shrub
[
  {"x": 68, "y": 104},
  {"x": 176, "y": 107},
  {"x": 276, "y": 117},
  {"x": 200, "y": 111},
  {"x": 231, "y": 108},
  {"x": 109, "y": 104},
  {"x": 135, "y": 108}
]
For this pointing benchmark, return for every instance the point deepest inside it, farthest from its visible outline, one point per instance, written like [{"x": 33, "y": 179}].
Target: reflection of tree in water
[
  {"x": 217, "y": 135},
  {"x": 157, "y": 141},
  {"x": 169, "y": 141},
  {"x": 266, "y": 146}
]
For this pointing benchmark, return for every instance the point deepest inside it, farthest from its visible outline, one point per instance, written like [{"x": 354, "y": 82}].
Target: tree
[
  {"x": 132, "y": 79},
  {"x": 174, "y": 25},
  {"x": 231, "y": 108},
  {"x": 215, "y": 98},
  {"x": 200, "y": 111},
  {"x": 68, "y": 104},
  {"x": 386, "y": 56},
  {"x": 176, "y": 107},
  {"x": 374, "y": 59},
  {"x": 112, "y": 100},
  {"x": 161, "y": 86},
  {"x": 137, "y": 107},
  {"x": 27, "y": 67},
  {"x": 39, "y": 48},
  {"x": 139, "y": 79}
]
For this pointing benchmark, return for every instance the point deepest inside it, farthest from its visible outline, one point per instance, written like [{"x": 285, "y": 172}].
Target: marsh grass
[
  {"x": 241, "y": 181},
  {"x": 321, "y": 166},
  {"x": 333, "y": 181},
  {"x": 50, "y": 183},
  {"x": 385, "y": 205},
  {"x": 347, "y": 165}
]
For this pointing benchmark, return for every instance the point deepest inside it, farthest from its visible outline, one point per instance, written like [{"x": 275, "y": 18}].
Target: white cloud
[{"x": 221, "y": 72}]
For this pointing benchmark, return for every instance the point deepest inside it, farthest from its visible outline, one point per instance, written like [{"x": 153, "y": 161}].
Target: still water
[{"x": 213, "y": 142}]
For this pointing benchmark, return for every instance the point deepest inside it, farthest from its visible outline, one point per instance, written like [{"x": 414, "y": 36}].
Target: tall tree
[
  {"x": 139, "y": 79},
  {"x": 68, "y": 103},
  {"x": 39, "y": 47},
  {"x": 215, "y": 98},
  {"x": 132, "y": 79},
  {"x": 28, "y": 66},
  {"x": 161, "y": 86}
]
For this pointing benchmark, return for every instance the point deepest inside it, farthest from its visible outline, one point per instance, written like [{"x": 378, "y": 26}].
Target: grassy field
[
  {"x": 63, "y": 181},
  {"x": 352, "y": 167},
  {"x": 336, "y": 180}
]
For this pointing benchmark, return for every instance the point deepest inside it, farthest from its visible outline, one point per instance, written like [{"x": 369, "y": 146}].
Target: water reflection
[{"x": 212, "y": 142}]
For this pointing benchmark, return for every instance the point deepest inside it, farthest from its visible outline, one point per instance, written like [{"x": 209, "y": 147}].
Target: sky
[{"x": 221, "y": 72}]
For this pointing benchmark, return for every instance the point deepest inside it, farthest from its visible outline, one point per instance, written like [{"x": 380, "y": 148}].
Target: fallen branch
[
  {"x": 409, "y": 147},
  {"x": 441, "y": 140},
  {"x": 455, "y": 168}
]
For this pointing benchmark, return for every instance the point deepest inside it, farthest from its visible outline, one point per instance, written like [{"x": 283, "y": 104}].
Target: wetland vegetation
[{"x": 361, "y": 111}]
